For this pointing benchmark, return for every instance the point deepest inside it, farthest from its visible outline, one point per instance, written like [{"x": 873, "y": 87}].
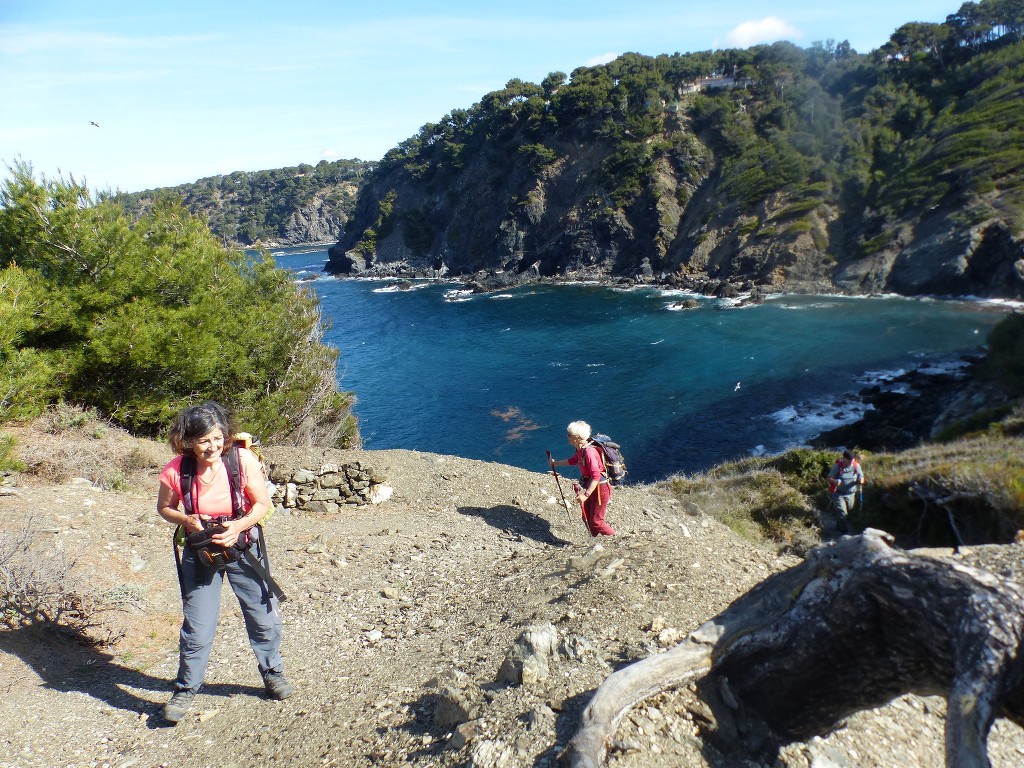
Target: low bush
[
  {"x": 756, "y": 502},
  {"x": 39, "y": 588},
  {"x": 9, "y": 461}
]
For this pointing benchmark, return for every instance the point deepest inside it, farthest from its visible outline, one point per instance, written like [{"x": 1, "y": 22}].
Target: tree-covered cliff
[
  {"x": 820, "y": 168},
  {"x": 287, "y": 206}
]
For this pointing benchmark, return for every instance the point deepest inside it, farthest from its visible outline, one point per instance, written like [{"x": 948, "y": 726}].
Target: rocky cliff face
[
  {"x": 938, "y": 256},
  {"x": 517, "y": 228},
  {"x": 317, "y": 222},
  {"x": 796, "y": 181}
]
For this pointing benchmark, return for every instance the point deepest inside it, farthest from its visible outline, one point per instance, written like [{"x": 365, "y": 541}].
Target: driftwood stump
[{"x": 855, "y": 625}]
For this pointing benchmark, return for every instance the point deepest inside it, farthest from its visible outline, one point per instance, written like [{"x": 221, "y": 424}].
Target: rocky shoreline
[
  {"x": 740, "y": 293},
  {"x": 916, "y": 406},
  {"x": 742, "y": 289}
]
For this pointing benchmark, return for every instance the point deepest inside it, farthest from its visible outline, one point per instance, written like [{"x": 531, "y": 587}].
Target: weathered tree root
[{"x": 855, "y": 625}]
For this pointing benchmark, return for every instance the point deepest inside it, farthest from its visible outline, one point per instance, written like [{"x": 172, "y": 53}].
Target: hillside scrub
[
  {"x": 262, "y": 206},
  {"x": 966, "y": 491},
  {"x": 139, "y": 318}
]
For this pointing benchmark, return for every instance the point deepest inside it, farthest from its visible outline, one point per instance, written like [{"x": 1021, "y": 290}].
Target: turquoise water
[{"x": 498, "y": 377}]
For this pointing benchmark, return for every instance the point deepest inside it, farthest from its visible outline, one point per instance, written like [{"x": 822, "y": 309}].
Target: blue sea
[{"x": 498, "y": 377}]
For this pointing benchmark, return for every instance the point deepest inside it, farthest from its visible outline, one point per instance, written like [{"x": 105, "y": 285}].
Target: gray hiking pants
[
  {"x": 201, "y": 607},
  {"x": 844, "y": 504}
]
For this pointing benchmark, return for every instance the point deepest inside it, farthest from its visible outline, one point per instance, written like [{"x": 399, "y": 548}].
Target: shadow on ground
[
  {"x": 64, "y": 662},
  {"x": 517, "y": 522}
]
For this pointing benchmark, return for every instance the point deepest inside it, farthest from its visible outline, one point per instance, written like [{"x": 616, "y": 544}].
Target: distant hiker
[
  {"x": 594, "y": 491},
  {"x": 845, "y": 478},
  {"x": 198, "y": 437}
]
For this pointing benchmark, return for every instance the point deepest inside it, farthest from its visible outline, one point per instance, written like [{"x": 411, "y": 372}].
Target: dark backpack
[{"x": 614, "y": 461}]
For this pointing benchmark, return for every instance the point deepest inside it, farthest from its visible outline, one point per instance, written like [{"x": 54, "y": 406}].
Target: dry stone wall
[{"x": 324, "y": 486}]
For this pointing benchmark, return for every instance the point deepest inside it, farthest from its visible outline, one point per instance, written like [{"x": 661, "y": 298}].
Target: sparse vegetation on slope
[{"x": 287, "y": 206}]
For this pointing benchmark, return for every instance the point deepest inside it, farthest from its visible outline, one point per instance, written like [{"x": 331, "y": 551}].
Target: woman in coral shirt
[{"x": 201, "y": 432}]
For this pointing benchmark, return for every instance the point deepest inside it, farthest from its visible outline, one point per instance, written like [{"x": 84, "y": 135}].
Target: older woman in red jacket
[{"x": 594, "y": 491}]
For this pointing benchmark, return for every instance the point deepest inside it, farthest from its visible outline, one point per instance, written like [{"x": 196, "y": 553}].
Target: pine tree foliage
[{"x": 140, "y": 318}]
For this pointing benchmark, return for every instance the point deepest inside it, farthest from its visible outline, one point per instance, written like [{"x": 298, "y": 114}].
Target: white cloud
[
  {"x": 604, "y": 58},
  {"x": 767, "y": 30},
  {"x": 328, "y": 154}
]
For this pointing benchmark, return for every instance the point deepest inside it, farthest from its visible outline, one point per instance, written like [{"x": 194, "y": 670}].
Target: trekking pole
[{"x": 565, "y": 504}]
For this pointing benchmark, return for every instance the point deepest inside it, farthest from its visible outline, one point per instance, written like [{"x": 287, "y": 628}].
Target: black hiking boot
[
  {"x": 175, "y": 709},
  {"x": 277, "y": 685}
]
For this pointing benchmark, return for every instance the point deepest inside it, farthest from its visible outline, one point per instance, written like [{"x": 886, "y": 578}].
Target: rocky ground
[{"x": 398, "y": 622}]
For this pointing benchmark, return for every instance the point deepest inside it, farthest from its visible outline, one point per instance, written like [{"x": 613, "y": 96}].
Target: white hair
[{"x": 579, "y": 429}]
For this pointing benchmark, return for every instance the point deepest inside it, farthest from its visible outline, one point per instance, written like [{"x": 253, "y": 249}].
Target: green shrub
[
  {"x": 875, "y": 244},
  {"x": 796, "y": 209},
  {"x": 385, "y": 223},
  {"x": 805, "y": 468},
  {"x": 538, "y": 156},
  {"x": 748, "y": 227},
  {"x": 137, "y": 319},
  {"x": 821, "y": 242},
  {"x": 9, "y": 462}
]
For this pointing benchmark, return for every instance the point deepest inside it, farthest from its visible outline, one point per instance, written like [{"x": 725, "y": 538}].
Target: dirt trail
[{"x": 388, "y": 603}]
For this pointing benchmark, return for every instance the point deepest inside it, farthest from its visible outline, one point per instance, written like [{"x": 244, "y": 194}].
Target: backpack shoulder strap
[
  {"x": 188, "y": 476},
  {"x": 234, "y": 467},
  {"x": 600, "y": 455}
]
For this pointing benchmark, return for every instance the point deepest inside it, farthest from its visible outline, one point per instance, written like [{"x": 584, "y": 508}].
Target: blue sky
[{"x": 182, "y": 90}]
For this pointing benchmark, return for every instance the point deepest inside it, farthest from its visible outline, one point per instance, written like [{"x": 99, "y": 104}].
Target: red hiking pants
[{"x": 594, "y": 509}]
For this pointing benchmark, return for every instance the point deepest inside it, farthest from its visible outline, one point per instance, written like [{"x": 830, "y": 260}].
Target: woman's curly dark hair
[{"x": 195, "y": 422}]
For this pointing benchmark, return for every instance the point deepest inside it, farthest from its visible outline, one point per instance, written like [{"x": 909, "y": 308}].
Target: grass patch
[{"x": 757, "y": 502}]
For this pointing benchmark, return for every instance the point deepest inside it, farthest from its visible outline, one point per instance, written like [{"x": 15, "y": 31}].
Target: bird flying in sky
[{"x": 92, "y": 122}]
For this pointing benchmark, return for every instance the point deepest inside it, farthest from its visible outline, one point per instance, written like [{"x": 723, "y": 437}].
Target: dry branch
[{"x": 855, "y": 625}]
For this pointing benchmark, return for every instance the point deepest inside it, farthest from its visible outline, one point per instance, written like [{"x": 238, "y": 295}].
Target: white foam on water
[
  {"x": 815, "y": 305},
  {"x": 400, "y": 287},
  {"x": 798, "y": 423},
  {"x": 677, "y": 306}
]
